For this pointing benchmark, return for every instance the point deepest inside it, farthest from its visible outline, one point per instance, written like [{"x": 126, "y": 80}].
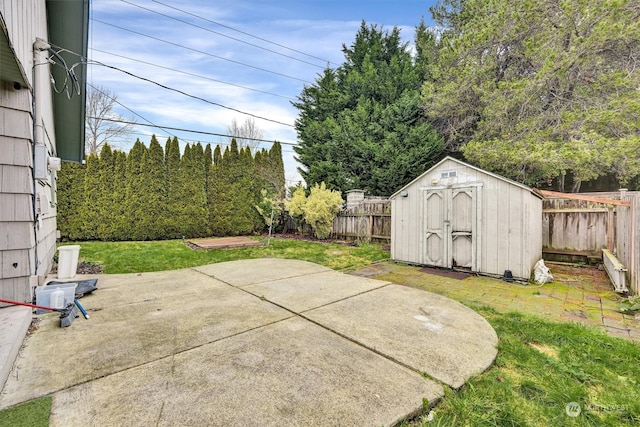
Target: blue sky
[{"x": 189, "y": 45}]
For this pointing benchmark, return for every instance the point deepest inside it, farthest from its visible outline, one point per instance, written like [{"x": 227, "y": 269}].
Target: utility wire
[
  {"x": 191, "y": 74},
  {"x": 200, "y": 51},
  {"x": 94, "y": 62},
  {"x": 242, "y": 32},
  {"x": 188, "y": 94},
  {"x": 221, "y": 34},
  {"x": 126, "y": 122},
  {"x": 192, "y": 141}
]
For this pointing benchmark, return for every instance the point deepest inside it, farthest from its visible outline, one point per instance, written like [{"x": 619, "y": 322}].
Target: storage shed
[{"x": 459, "y": 216}]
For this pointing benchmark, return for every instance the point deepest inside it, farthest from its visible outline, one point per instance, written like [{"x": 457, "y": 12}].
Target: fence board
[
  {"x": 628, "y": 241},
  {"x": 577, "y": 225},
  {"x": 363, "y": 226}
]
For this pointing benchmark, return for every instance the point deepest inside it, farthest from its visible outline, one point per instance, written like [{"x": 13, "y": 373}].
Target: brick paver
[{"x": 582, "y": 295}]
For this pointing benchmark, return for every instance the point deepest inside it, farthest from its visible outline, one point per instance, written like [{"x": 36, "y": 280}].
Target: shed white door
[{"x": 449, "y": 217}]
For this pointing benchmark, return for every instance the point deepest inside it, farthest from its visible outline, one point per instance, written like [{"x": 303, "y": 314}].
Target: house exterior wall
[
  {"x": 27, "y": 206},
  {"x": 507, "y": 224}
]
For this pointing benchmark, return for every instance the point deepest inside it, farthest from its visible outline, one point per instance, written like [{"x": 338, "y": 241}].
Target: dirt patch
[
  {"x": 545, "y": 349},
  {"x": 335, "y": 252},
  {"x": 83, "y": 268}
]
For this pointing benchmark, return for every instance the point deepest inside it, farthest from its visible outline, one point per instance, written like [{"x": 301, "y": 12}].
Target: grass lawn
[
  {"x": 30, "y": 414},
  {"x": 141, "y": 257},
  {"x": 541, "y": 366}
]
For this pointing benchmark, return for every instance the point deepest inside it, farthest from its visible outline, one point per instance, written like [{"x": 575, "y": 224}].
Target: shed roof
[{"x": 502, "y": 178}]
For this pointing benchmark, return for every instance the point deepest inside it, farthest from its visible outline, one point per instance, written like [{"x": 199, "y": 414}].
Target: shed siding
[
  {"x": 21, "y": 231},
  {"x": 507, "y": 231}
]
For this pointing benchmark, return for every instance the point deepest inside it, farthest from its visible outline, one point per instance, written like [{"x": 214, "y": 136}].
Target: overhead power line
[
  {"x": 200, "y": 51},
  {"x": 201, "y": 132},
  {"x": 243, "y": 32},
  {"x": 126, "y": 108},
  {"x": 192, "y": 74},
  {"x": 188, "y": 94},
  {"x": 221, "y": 34},
  {"x": 94, "y": 62}
]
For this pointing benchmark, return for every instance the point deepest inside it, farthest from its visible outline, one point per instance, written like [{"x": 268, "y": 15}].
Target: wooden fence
[
  {"x": 628, "y": 240},
  {"x": 577, "y": 225},
  {"x": 369, "y": 221},
  {"x": 588, "y": 226}
]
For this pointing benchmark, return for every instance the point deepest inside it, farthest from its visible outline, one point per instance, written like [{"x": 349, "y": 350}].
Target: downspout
[{"x": 40, "y": 80}]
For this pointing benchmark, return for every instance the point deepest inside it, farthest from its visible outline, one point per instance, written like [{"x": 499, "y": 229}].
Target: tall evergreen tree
[
  {"x": 90, "y": 211},
  {"x": 208, "y": 159},
  {"x": 150, "y": 219},
  {"x": 194, "y": 218},
  {"x": 70, "y": 197},
  {"x": 119, "y": 200},
  {"x": 175, "y": 193},
  {"x": 221, "y": 179},
  {"x": 537, "y": 90},
  {"x": 103, "y": 196},
  {"x": 135, "y": 189},
  {"x": 214, "y": 186},
  {"x": 365, "y": 117},
  {"x": 276, "y": 172}
]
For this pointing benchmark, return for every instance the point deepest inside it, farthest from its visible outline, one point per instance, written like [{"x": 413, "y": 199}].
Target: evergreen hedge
[{"x": 155, "y": 194}]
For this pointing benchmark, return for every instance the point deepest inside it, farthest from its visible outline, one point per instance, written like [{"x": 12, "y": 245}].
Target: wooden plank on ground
[{"x": 224, "y": 243}]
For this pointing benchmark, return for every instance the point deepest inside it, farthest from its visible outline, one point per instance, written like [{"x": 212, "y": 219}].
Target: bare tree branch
[
  {"x": 100, "y": 104},
  {"x": 246, "y": 133}
]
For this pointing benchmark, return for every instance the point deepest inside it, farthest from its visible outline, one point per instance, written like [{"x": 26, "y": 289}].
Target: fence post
[{"x": 610, "y": 229}]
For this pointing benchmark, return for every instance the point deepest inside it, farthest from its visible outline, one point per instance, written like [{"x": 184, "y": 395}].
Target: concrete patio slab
[
  {"x": 252, "y": 271},
  {"x": 433, "y": 334},
  {"x": 166, "y": 316},
  {"x": 332, "y": 382},
  {"x": 303, "y": 293},
  {"x": 184, "y": 348}
]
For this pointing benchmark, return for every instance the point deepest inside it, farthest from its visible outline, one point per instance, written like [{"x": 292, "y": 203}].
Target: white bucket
[{"x": 68, "y": 261}]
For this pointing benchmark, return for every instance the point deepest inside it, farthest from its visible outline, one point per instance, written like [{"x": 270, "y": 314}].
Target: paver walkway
[{"x": 582, "y": 295}]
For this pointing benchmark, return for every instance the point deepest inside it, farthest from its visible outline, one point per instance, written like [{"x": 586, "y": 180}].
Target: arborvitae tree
[
  {"x": 221, "y": 206},
  {"x": 134, "y": 190},
  {"x": 195, "y": 211},
  {"x": 247, "y": 196},
  {"x": 119, "y": 200},
  {"x": 217, "y": 155},
  {"x": 208, "y": 159},
  {"x": 90, "y": 211},
  {"x": 152, "y": 212},
  {"x": 276, "y": 172},
  {"x": 70, "y": 197},
  {"x": 213, "y": 191},
  {"x": 175, "y": 194},
  {"x": 103, "y": 196}
]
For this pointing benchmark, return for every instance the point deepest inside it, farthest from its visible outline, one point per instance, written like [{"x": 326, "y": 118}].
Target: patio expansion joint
[
  {"x": 171, "y": 356},
  {"x": 259, "y": 283},
  {"x": 356, "y": 342}
]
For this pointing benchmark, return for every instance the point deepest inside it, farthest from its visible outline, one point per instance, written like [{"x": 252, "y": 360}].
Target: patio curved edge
[{"x": 426, "y": 332}]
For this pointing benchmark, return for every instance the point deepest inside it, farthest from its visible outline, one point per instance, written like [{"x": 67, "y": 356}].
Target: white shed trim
[{"x": 428, "y": 171}]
